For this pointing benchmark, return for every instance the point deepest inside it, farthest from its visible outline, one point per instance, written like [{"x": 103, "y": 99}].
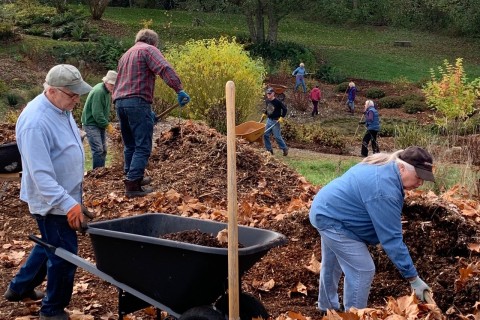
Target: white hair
[{"x": 369, "y": 103}]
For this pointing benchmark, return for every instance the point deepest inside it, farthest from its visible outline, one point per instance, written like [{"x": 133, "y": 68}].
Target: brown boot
[
  {"x": 133, "y": 188},
  {"x": 145, "y": 181}
]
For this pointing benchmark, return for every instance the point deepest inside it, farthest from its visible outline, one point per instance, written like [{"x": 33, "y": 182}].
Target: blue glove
[
  {"x": 419, "y": 287},
  {"x": 183, "y": 98}
]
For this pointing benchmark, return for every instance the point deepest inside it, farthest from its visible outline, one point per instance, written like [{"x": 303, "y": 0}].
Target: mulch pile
[{"x": 189, "y": 171}]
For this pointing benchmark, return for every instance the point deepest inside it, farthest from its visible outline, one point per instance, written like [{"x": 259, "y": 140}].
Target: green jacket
[{"x": 96, "y": 111}]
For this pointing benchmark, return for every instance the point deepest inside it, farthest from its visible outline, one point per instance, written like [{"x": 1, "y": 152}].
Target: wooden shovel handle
[
  {"x": 428, "y": 297},
  {"x": 166, "y": 111}
]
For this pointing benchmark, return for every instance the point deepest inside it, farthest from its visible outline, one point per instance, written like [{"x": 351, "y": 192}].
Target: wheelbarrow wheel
[
  {"x": 201, "y": 313},
  {"x": 250, "y": 307}
]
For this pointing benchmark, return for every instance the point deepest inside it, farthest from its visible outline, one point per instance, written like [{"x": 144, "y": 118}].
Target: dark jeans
[
  {"x": 55, "y": 231},
  {"x": 370, "y": 135},
  {"x": 136, "y": 126},
  {"x": 315, "y": 108},
  {"x": 98, "y": 145}
]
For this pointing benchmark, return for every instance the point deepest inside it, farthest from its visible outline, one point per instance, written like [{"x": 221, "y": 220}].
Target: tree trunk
[
  {"x": 272, "y": 25},
  {"x": 260, "y": 22}
]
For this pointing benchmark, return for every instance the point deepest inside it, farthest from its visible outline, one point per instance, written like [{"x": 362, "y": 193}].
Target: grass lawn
[{"x": 360, "y": 52}]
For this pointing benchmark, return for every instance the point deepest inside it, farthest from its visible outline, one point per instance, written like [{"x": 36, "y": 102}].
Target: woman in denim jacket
[{"x": 363, "y": 207}]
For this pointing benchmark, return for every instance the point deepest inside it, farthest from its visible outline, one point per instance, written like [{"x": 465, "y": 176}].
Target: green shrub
[
  {"x": 330, "y": 74},
  {"x": 414, "y": 106},
  {"x": 64, "y": 18},
  {"x": 413, "y": 96},
  {"x": 290, "y": 51},
  {"x": 342, "y": 87},
  {"x": 328, "y": 137},
  {"x": 35, "y": 31},
  {"x": 411, "y": 135},
  {"x": 3, "y": 87},
  {"x": 12, "y": 99},
  {"x": 6, "y": 31},
  {"x": 387, "y": 130},
  {"x": 108, "y": 51},
  {"x": 374, "y": 93},
  {"x": 205, "y": 66},
  {"x": 391, "y": 102},
  {"x": 27, "y": 13}
]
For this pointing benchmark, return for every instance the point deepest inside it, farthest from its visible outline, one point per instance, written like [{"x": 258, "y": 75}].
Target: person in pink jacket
[{"x": 315, "y": 96}]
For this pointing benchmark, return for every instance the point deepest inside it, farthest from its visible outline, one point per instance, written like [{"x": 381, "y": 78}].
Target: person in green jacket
[{"x": 95, "y": 118}]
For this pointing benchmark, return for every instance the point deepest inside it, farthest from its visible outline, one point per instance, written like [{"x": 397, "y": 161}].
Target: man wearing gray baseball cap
[{"x": 53, "y": 164}]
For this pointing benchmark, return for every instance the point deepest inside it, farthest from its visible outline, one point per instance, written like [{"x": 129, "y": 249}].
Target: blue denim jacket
[
  {"x": 52, "y": 158},
  {"x": 366, "y": 205}
]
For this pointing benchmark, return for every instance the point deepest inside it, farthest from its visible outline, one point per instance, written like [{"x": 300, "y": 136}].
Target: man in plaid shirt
[{"x": 133, "y": 96}]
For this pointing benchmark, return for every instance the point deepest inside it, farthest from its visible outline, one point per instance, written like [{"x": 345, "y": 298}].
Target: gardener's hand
[
  {"x": 75, "y": 217},
  {"x": 280, "y": 120},
  {"x": 263, "y": 117},
  {"x": 361, "y": 122},
  {"x": 419, "y": 287},
  {"x": 109, "y": 128},
  {"x": 183, "y": 98}
]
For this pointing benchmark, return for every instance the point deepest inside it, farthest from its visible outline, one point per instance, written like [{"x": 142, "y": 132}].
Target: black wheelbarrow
[{"x": 188, "y": 281}]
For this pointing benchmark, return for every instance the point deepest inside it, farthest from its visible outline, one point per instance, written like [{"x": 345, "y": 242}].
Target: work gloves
[
  {"x": 76, "y": 219},
  {"x": 183, "y": 98},
  {"x": 263, "y": 117},
  {"x": 419, "y": 287},
  {"x": 280, "y": 120},
  {"x": 109, "y": 128},
  {"x": 361, "y": 122}
]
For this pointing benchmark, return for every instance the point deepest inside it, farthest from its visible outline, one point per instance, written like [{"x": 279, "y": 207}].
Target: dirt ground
[{"x": 188, "y": 167}]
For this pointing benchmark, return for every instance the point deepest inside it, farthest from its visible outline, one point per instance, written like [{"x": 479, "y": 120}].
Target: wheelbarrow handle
[
  {"x": 42, "y": 243},
  {"x": 270, "y": 128}
]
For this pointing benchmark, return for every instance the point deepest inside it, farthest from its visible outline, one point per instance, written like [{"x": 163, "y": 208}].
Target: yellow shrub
[
  {"x": 205, "y": 66},
  {"x": 450, "y": 93}
]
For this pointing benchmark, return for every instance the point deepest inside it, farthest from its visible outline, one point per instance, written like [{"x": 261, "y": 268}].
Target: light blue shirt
[
  {"x": 299, "y": 72},
  {"x": 366, "y": 205},
  {"x": 52, "y": 158}
]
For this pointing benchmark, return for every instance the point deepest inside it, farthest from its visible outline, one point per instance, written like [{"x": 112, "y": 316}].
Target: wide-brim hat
[{"x": 111, "y": 77}]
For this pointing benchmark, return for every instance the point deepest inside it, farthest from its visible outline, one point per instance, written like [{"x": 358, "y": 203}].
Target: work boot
[
  {"x": 285, "y": 152},
  {"x": 133, "y": 188},
  {"x": 60, "y": 316},
  {"x": 12, "y": 296},
  {"x": 271, "y": 152},
  {"x": 145, "y": 181}
]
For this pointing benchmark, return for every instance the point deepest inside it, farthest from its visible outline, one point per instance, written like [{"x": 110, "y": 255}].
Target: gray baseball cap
[{"x": 66, "y": 75}]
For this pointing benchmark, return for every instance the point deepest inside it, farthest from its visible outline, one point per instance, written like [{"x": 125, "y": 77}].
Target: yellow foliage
[
  {"x": 205, "y": 66},
  {"x": 451, "y": 94}
]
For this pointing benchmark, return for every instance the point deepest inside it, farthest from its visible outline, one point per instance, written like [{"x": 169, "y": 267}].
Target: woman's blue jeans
[
  {"x": 41, "y": 262},
  {"x": 300, "y": 81},
  {"x": 136, "y": 126},
  {"x": 341, "y": 254},
  {"x": 98, "y": 144},
  {"x": 274, "y": 126}
]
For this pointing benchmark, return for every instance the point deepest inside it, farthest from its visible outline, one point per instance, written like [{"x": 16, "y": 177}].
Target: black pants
[
  {"x": 315, "y": 108},
  {"x": 370, "y": 135}
]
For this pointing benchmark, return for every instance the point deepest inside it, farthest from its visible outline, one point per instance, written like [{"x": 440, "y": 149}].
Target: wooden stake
[{"x": 233, "y": 277}]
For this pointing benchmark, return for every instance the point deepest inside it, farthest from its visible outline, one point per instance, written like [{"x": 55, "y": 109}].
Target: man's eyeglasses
[{"x": 70, "y": 95}]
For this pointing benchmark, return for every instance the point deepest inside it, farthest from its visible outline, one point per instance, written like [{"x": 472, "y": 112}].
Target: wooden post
[{"x": 233, "y": 277}]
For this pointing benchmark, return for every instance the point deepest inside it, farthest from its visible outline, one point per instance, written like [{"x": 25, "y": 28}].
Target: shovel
[{"x": 165, "y": 113}]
